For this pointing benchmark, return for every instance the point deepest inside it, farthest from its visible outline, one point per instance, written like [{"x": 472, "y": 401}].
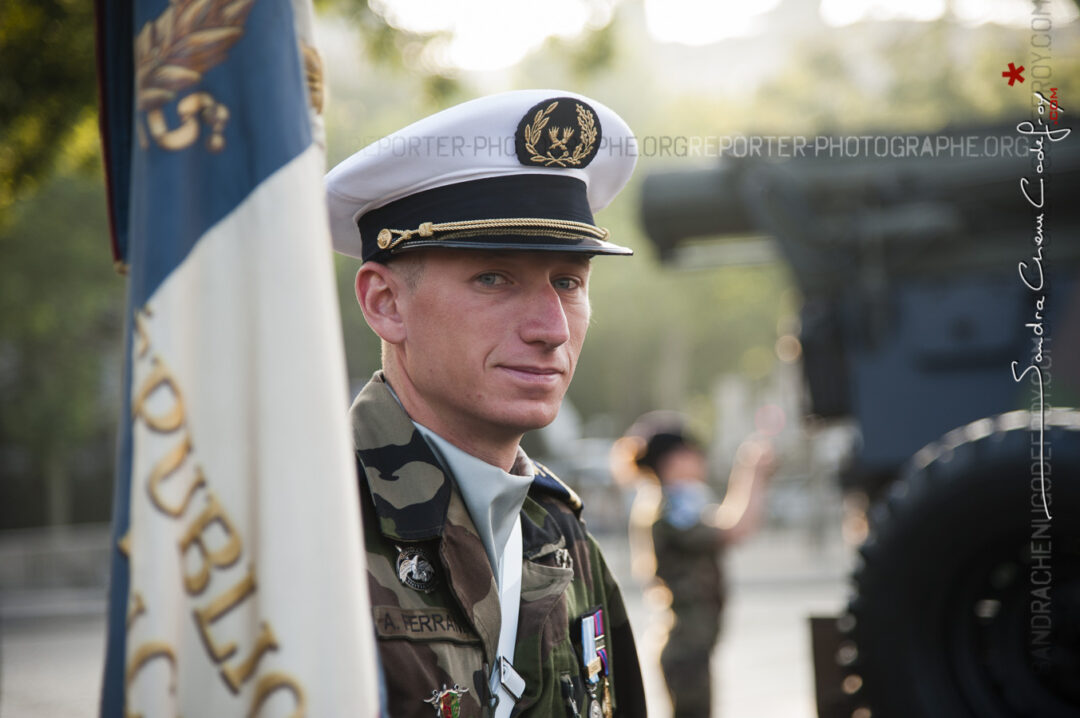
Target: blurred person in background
[{"x": 679, "y": 533}]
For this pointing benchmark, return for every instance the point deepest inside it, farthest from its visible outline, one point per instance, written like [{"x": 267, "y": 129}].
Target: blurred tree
[
  {"x": 393, "y": 47},
  {"x": 47, "y": 87},
  {"x": 905, "y": 76},
  {"x": 61, "y": 304},
  {"x": 397, "y": 49}
]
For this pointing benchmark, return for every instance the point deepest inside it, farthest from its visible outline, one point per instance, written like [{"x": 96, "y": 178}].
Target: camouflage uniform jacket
[
  {"x": 442, "y": 632},
  {"x": 689, "y": 560}
]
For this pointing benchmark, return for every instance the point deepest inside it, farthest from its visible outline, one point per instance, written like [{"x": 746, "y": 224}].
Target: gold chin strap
[{"x": 390, "y": 238}]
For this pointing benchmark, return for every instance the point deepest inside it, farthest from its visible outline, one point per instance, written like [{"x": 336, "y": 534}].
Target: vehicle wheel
[{"x": 948, "y": 618}]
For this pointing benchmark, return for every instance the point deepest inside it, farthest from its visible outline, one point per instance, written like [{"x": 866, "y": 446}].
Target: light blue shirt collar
[{"x": 493, "y": 496}]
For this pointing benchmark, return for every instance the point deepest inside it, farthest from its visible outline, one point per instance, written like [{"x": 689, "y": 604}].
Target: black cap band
[{"x": 533, "y": 197}]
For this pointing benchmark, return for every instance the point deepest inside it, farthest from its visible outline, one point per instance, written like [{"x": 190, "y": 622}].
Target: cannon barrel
[{"x": 962, "y": 213}]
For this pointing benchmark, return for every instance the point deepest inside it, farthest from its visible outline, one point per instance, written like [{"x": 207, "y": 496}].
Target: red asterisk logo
[{"x": 1014, "y": 73}]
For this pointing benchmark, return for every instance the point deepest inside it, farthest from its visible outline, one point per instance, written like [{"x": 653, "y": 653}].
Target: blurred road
[
  {"x": 51, "y": 667},
  {"x": 52, "y": 643}
]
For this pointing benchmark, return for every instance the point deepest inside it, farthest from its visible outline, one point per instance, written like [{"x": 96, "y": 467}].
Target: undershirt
[{"x": 494, "y": 499}]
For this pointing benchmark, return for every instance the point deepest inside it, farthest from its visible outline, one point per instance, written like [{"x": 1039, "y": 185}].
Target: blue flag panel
[{"x": 201, "y": 101}]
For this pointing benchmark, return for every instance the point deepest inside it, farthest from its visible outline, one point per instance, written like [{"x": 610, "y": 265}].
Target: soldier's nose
[{"x": 545, "y": 318}]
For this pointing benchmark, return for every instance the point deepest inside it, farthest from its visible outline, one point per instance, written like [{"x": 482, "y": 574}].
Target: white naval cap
[{"x": 518, "y": 170}]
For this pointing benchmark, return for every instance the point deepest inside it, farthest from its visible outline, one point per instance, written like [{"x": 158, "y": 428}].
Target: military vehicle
[{"x": 941, "y": 313}]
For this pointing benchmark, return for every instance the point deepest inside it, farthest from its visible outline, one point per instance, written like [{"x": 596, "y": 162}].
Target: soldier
[
  {"x": 475, "y": 228},
  {"x": 689, "y": 533}
]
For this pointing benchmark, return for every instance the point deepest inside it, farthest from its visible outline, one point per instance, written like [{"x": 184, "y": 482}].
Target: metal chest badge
[
  {"x": 594, "y": 660},
  {"x": 415, "y": 568},
  {"x": 447, "y": 702}
]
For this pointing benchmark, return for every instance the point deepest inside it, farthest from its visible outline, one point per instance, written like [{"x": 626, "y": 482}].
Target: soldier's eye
[
  {"x": 490, "y": 279},
  {"x": 566, "y": 283}
]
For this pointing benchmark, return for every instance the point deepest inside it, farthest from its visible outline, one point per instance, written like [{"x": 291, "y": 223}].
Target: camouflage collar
[
  {"x": 410, "y": 490},
  {"x": 407, "y": 483}
]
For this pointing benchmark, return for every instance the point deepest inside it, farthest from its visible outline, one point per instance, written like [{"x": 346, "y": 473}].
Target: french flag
[{"x": 238, "y": 574}]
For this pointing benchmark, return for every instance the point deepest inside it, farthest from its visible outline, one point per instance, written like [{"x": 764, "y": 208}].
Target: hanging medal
[{"x": 594, "y": 660}]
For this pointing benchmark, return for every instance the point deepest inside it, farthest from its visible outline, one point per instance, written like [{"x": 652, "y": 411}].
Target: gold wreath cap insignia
[{"x": 572, "y": 138}]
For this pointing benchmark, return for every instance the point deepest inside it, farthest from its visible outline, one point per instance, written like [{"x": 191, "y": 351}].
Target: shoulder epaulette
[{"x": 552, "y": 484}]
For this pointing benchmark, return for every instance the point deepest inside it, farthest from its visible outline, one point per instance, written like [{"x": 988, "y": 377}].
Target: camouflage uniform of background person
[{"x": 685, "y": 532}]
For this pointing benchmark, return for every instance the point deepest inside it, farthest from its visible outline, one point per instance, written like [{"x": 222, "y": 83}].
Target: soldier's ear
[{"x": 379, "y": 292}]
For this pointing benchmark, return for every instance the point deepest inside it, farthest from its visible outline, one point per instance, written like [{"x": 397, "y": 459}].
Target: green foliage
[
  {"x": 60, "y": 339},
  {"x": 915, "y": 77},
  {"x": 46, "y": 87},
  {"x": 395, "y": 50},
  {"x": 587, "y": 55}
]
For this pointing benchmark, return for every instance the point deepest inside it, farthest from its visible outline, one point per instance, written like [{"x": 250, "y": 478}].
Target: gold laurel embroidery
[
  {"x": 172, "y": 53},
  {"x": 313, "y": 72},
  {"x": 559, "y": 137},
  {"x": 587, "y": 124},
  {"x": 533, "y": 130}
]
